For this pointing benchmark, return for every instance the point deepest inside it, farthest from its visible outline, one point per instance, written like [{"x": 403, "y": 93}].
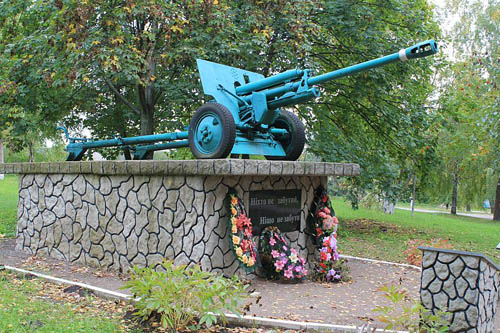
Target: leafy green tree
[
  {"x": 380, "y": 118},
  {"x": 476, "y": 45},
  {"x": 30, "y": 105},
  {"x": 131, "y": 64},
  {"x": 127, "y": 67}
]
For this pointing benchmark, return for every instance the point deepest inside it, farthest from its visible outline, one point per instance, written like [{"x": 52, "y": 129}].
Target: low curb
[
  {"x": 232, "y": 319},
  {"x": 101, "y": 292},
  {"x": 375, "y": 261}
]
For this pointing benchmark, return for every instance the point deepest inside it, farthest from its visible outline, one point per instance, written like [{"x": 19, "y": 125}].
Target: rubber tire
[
  {"x": 294, "y": 144},
  {"x": 228, "y": 131}
]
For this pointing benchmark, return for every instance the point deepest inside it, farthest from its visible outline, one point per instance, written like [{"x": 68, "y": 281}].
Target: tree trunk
[
  {"x": 147, "y": 98},
  {"x": 32, "y": 154},
  {"x": 467, "y": 207},
  {"x": 413, "y": 195},
  {"x": 1, "y": 158},
  {"x": 454, "y": 194},
  {"x": 492, "y": 205},
  {"x": 496, "y": 214},
  {"x": 147, "y": 114}
]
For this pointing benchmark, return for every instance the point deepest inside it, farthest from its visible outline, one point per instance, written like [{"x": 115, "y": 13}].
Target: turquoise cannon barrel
[
  {"x": 419, "y": 50},
  {"x": 244, "y": 116},
  {"x": 254, "y": 102}
]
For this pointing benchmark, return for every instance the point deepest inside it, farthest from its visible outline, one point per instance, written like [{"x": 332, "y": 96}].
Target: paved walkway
[
  {"x": 479, "y": 216},
  {"x": 341, "y": 303}
]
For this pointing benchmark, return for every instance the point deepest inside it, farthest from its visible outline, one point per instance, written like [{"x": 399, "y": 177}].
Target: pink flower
[
  {"x": 326, "y": 210},
  {"x": 328, "y": 223},
  {"x": 279, "y": 265},
  {"x": 272, "y": 241},
  {"x": 289, "y": 273},
  {"x": 330, "y": 273},
  {"x": 293, "y": 251},
  {"x": 335, "y": 220},
  {"x": 302, "y": 260},
  {"x": 275, "y": 253},
  {"x": 285, "y": 248},
  {"x": 305, "y": 272},
  {"x": 333, "y": 242},
  {"x": 298, "y": 269},
  {"x": 322, "y": 215},
  {"x": 284, "y": 260}
]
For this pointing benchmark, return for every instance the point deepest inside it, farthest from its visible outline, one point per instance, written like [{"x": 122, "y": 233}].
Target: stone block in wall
[{"x": 464, "y": 284}]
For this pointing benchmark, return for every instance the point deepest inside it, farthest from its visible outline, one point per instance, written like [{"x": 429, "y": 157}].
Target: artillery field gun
[{"x": 245, "y": 116}]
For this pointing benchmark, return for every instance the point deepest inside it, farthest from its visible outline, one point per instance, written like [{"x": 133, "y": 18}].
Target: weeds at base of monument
[{"x": 184, "y": 296}]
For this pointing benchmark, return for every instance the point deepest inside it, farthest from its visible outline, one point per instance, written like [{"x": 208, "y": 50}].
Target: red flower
[
  {"x": 244, "y": 245},
  {"x": 248, "y": 232},
  {"x": 247, "y": 222},
  {"x": 323, "y": 256},
  {"x": 319, "y": 232},
  {"x": 239, "y": 221},
  {"x": 325, "y": 197},
  {"x": 322, "y": 264}
]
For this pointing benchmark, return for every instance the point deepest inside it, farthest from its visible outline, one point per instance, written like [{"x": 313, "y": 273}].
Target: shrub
[
  {"x": 412, "y": 316},
  {"x": 182, "y": 295},
  {"x": 414, "y": 255}
]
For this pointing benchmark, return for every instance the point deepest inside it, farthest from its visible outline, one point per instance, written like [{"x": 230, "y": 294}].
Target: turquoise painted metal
[{"x": 244, "y": 116}]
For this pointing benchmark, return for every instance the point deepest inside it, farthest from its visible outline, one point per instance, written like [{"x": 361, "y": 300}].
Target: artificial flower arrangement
[
  {"x": 328, "y": 267},
  {"x": 241, "y": 233},
  {"x": 278, "y": 259}
]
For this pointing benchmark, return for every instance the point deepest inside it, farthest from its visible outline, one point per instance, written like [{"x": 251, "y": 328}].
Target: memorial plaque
[{"x": 279, "y": 208}]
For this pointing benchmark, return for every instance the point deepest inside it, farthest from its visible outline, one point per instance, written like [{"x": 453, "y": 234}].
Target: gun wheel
[
  {"x": 212, "y": 132},
  {"x": 294, "y": 143}
]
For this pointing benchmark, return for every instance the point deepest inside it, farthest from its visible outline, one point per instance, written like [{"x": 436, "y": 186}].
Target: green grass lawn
[
  {"x": 373, "y": 234},
  {"x": 8, "y": 205},
  {"x": 32, "y": 306}
]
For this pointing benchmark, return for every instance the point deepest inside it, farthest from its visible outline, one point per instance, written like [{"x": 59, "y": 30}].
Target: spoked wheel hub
[{"x": 212, "y": 132}]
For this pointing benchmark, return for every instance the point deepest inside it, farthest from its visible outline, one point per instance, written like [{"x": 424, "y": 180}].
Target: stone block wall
[
  {"x": 464, "y": 284},
  {"x": 122, "y": 213}
]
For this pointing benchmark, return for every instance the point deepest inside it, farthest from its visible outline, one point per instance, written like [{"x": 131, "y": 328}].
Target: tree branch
[{"x": 120, "y": 96}]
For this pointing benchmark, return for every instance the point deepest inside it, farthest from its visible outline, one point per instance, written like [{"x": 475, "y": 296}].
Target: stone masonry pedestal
[{"x": 114, "y": 214}]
